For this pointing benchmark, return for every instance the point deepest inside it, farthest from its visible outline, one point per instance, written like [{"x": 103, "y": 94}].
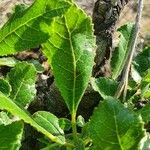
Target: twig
[{"x": 124, "y": 81}]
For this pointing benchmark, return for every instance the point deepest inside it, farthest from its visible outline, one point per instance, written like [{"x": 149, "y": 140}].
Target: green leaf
[
  {"x": 145, "y": 143},
  {"x": 114, "y": 127},
  {"x": 65, "y": 124},
  {"x": 9, "y": 105},
  {"x": 8, "y": 61},
  {"x": 4, "y": 119},
  {"x": 50, "y": 123},
  {"x": 22, "y": 80},
  {"x": 120, "y": 53},
  {"x": 10, "y": 136},
  {"x": 145, "y": 85},
  {"x": 145, "y": 113},
  {"x": 53, "y": 147},
  {"x": 147, "y": 76},
  {"x": 142, "y": 61},
  {"x": 135, "y": 75},
  {"x": 5, "y": 87},
  {"x": 27, "y": 29},
  {"x": 37, "y": 65},
  {"x": 80, "y": 121},
  {"x": 105, "y": 86},
  {"x": 70, "y": 51}
]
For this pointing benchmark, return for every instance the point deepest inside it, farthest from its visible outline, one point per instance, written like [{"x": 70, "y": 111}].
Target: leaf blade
[
  {"x": 11, "y": 136},
  {"x": 142, "y": 61},
  {"x": 105, "y": 86},
  {"x": 72, "y": 54},
  {"x": 120, "y": 53},
  {"x": 113, "y": 126},
  {"x": 27, "y": 29},
  {"x": 22, "y": 79},
  {"x": 49, "y": 122},
  {"x": 5, "y": 87},
  {"x": 9, "y": 105}
]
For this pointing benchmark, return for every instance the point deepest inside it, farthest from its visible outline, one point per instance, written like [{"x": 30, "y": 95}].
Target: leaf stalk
[{"x": 74, "y": 127}]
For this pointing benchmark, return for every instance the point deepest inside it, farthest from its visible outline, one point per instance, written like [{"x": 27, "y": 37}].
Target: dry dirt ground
[{"x": 127, "y": 15}]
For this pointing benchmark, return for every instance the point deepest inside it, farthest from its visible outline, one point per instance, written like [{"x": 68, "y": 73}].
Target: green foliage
[
  {"x": 8, "y": 61},
  {"x": 11, "y": 135},
  {"x": 106, "y": 87},
  {"x": 37, "y": 65},
  {"x": 50, "y": 123},
  {"x": 113, "y": 126},
  {"x": 120, "y": 53},
  {"x": 142, "y": 61},
  {"x": 4, "y": 118},
  {"x": 72, "y": 40},
  {"x": 65, "y": 124},
  {"x": 9, "y": 105},
  {"x": 68, "y": 41},
  {"x": 145, "y": 85},
  {"x": 146, "y": 143},
  {"x": 145, "y": 113},
  {"x": 27, "y": 28},
  {"x": 5, "y": 87},
  {"x": 22, "y": 80}
]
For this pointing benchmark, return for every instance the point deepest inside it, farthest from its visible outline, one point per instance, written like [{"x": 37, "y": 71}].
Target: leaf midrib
[
  {"x": 117, "y": 132},
  {"x": 21, "y": 84},
  {"x": 74, "y": 64}
]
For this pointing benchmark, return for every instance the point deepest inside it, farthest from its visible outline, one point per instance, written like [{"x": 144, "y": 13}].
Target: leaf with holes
[
  {"x": 22, "y": 80},
  {"x": 70, "y": 51},
  {"x": 114, "y": 127},
  {"x": 27, "y": 28}
]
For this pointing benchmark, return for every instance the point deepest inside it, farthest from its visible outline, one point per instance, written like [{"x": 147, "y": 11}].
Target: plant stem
[
  {"x": 74, "y": 127},
  {"x": 124, "y": 81}
]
